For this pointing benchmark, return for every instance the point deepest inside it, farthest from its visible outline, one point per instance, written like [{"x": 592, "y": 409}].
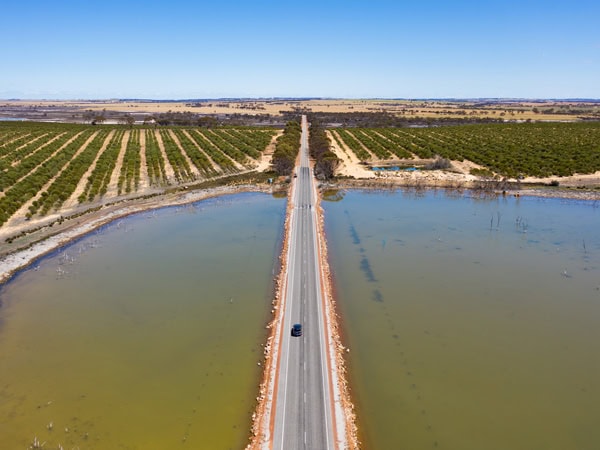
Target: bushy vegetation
[
  {"x": 357, "y": 148},
  {"x": 17, "y": 148},
  {"x": 154, "y": 160},
  {"x": 177, "y": 118},
  {"x": 370, "y": 140},
  {"x": 216, "y": 136},
  {"x": 385, "y": 138},
  {"x": 219, "y": 158},
  {"x": 255, "y": 140},
  {"x": 44, "y": 163},
  {"x": 244, "y": 144},
  {"x": 129, "y": 179},
  {"x": 319, "y": 145},
  {"x": 97, "y": 183},
  {"x": 483, "y": 173},
  {"x": 287, "y": 148},
  {"x": 17, "y": 169},
  {"x": 16, "y": 195},
  {"x": 193, "y": 152},
  {"x": 65, "y": 184},
  {"x": 180, "y": 166},
  {"x": 384, "y": 119},
  {"x": 511, "y": 150}
]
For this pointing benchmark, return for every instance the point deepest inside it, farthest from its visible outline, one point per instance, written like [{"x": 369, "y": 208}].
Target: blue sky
[{"x": 354, "y": 49}]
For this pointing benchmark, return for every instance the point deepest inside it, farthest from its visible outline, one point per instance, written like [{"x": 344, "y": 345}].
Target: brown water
[
  {"x": 144, "y": 335},
  {"x": 472, "y": 324}
]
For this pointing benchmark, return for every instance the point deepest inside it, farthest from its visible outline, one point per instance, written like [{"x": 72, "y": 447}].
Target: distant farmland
[{"x": 46, "y": 167}]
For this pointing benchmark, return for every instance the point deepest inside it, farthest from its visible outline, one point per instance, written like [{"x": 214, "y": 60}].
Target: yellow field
[{"x": 512, "y": 111}]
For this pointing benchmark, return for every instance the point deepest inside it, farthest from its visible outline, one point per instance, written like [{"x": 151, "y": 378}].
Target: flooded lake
[
  {"x": 145, "y": 334},
  {"x": 472, "y": 324}
]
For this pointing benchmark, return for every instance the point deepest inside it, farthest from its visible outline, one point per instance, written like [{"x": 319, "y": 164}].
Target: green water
[
  {"x": 472, "y": 324},
  {"x": 145, "y": 335}
]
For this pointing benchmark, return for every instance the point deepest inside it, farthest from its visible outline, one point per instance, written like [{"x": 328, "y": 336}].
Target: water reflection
[
  {"x": 145, "y": 334},
  {"x": 472, "y": 322}
]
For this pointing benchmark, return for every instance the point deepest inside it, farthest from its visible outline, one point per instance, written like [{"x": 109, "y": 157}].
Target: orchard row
[
  {"x": 512, "y": 150},
  {"x": 44, "y": 166}
]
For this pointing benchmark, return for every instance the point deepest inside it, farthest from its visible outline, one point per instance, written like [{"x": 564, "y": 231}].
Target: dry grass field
[{"x": 500, "y": 110}]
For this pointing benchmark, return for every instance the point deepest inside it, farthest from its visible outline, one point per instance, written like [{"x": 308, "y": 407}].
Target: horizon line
[{"x": 307, "y": 98}]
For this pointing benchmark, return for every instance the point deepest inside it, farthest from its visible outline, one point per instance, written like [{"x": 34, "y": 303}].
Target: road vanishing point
[{"x": 303, "y": 405}]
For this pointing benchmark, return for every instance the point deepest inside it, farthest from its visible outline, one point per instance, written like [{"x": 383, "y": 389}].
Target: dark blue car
[{"x": 297, "y": 329}]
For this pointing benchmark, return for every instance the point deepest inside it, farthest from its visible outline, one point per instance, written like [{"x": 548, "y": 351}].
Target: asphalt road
[{"x": 303, "y": 412}]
